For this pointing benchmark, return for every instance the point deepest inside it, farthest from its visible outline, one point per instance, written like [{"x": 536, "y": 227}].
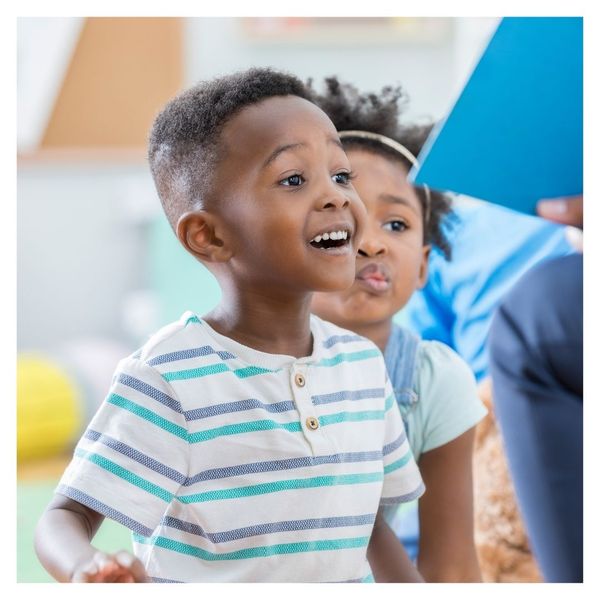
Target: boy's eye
[
  {"x": 342, "y": 177},
  {"x": 395, "y": 225},
  {"x": 293, "y": 180}
]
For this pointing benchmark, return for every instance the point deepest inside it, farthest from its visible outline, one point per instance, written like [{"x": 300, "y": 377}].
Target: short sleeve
[
  {"x": 447, "y": 393},
  {"x": 132, "y": 458},
  {"x": 402, "y": 480}
]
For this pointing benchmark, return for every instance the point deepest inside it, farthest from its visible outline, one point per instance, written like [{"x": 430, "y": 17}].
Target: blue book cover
[{"x": 515, "y": 134}]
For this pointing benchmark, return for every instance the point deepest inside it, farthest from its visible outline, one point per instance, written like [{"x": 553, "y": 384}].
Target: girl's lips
[{"x": 375, "y": 276}]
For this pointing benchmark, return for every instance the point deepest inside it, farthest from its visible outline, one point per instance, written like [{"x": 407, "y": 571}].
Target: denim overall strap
[{"x": 400, "y": 359}]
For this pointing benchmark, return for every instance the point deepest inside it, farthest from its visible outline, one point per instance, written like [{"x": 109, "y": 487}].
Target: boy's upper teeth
[{"x": 331, "y": 235}]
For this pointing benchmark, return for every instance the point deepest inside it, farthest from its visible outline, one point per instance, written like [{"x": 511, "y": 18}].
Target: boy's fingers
[
  {"x": 85, "y": 573},
  {"x": 108, "y": 568},
  {"x": 121, "y": 567},
  {"x": 133, "y": 565},
  {"x": 124, "y": 559},
  {"x": 82, "y": 576},
  {"x": 562, "y": 210},
  {"x": 105, "y": 563}
]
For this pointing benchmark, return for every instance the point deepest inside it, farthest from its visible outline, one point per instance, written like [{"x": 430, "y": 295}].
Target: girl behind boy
[{"x": 435, "y": 389}]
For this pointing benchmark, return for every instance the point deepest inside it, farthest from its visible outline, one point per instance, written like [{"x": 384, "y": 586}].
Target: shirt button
[
  {"x": 312, "y": 423},
  {"x": 299, "y": 380}
]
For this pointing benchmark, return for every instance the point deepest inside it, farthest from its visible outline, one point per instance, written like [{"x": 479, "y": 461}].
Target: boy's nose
[{"x": 334, "y": 198}]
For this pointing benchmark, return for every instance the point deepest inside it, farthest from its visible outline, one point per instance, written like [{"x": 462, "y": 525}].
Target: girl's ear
[
  {"x": 424, "y": 267},
  {"x": 202, "y": 235}
]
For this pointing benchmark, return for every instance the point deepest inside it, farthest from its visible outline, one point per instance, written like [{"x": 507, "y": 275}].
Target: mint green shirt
[{"x": 448, "y": 403}]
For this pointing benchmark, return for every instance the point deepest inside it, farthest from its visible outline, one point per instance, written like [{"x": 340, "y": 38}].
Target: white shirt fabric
[{"x": 230, "y": 464}]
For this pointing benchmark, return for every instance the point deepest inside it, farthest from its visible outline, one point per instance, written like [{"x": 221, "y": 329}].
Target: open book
[{"x": 515, "y": 134}]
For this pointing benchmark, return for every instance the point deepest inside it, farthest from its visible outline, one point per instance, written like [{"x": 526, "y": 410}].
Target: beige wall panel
[{"x": 122, "y": 72}]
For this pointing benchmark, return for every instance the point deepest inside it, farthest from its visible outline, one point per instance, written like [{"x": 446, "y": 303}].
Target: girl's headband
[{"x": 400, "y": 149}]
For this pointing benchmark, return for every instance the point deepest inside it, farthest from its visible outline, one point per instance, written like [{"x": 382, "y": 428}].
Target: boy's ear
[
  {"x": 424, "y": 267},
  {"x": 201, "y": 235}
]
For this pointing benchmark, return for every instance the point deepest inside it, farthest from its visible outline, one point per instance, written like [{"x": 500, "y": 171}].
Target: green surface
[{"x": 32, "y": 498}]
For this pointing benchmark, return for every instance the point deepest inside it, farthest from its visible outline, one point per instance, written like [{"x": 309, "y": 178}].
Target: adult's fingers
[
  {"x": 574, "y": 236},
  {"x": 562, "y": 210}
]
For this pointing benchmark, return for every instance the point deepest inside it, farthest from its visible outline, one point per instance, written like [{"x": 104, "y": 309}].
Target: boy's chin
[{"x": 336, "y": 284}]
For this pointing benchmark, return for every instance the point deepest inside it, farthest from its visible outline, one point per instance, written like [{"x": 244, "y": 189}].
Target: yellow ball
[{"x": 49, "y": 412}]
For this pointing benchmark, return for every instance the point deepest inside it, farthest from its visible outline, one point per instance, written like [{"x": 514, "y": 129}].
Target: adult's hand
[{"x": 568, "y": 210}]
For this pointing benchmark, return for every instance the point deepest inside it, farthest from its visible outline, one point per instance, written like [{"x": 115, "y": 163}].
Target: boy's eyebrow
[
  {"x": 279, "y": 150},
  {"x": 285, "y": 147}
]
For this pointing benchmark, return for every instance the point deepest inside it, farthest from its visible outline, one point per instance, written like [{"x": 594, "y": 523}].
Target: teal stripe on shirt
[
  {"x": 148, "y": 415},
  {"x": 196, "y": 373},
  {"x": 214, "y": 369},
  {"x": 123, "y": 473},
  {"x": 237, "y": 428},
  {"x": 398, "y": 463},
  {"x": 389, "y": 402},
  {"x": 282, "y": 485},
  {"x": 363, "y": 415},
  {"x": 348, "y": 357},
  {"x": 192, "y": 319},
  {"x": 257, "y": 552},
  {"x": 263, "y": 425},
  {"x": 294, "y": 426},
  {"x": 199, "y": 436}
]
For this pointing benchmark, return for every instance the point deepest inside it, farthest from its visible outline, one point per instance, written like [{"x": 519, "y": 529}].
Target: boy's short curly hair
[
  {"x": 351, "y": 110},
  {"x": 183, "y": 147}
]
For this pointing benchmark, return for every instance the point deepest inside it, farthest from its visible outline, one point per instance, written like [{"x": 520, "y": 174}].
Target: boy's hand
[{"x": 120, "y": 567}]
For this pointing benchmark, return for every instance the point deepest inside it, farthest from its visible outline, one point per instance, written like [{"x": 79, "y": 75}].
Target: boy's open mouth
[{"x": 331, "y": 239}]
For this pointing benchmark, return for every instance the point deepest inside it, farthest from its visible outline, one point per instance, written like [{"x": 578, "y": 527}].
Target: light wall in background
[
  {"x": 430, "y": 59},
  {"x": 80, "y": 250},
  {"x": 44, "y": 50}
]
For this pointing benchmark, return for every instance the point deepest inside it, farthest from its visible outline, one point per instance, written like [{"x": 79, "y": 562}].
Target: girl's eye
[
  {"x": 293, "y": 180},
  {"x": 343, "y": 177},
  {"x": 395, "y": 225}
]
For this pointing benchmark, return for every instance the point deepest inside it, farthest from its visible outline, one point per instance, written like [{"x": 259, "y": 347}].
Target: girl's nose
[{"x": 371, "y": 246}]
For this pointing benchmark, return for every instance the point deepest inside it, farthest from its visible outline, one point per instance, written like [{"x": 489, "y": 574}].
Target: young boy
[
  {"x": 256, "y": 443},
  {"x": 434, "y": 387}
]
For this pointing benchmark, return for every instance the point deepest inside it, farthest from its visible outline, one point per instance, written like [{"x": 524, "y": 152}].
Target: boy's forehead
[{"x": 275, "y": 120}]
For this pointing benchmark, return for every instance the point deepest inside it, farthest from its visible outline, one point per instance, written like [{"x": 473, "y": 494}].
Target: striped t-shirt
[{"x": 229, "y": 464}]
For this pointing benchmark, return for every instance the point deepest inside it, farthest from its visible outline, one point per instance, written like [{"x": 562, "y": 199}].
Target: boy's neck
[{"x": 264, "y": 322}]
